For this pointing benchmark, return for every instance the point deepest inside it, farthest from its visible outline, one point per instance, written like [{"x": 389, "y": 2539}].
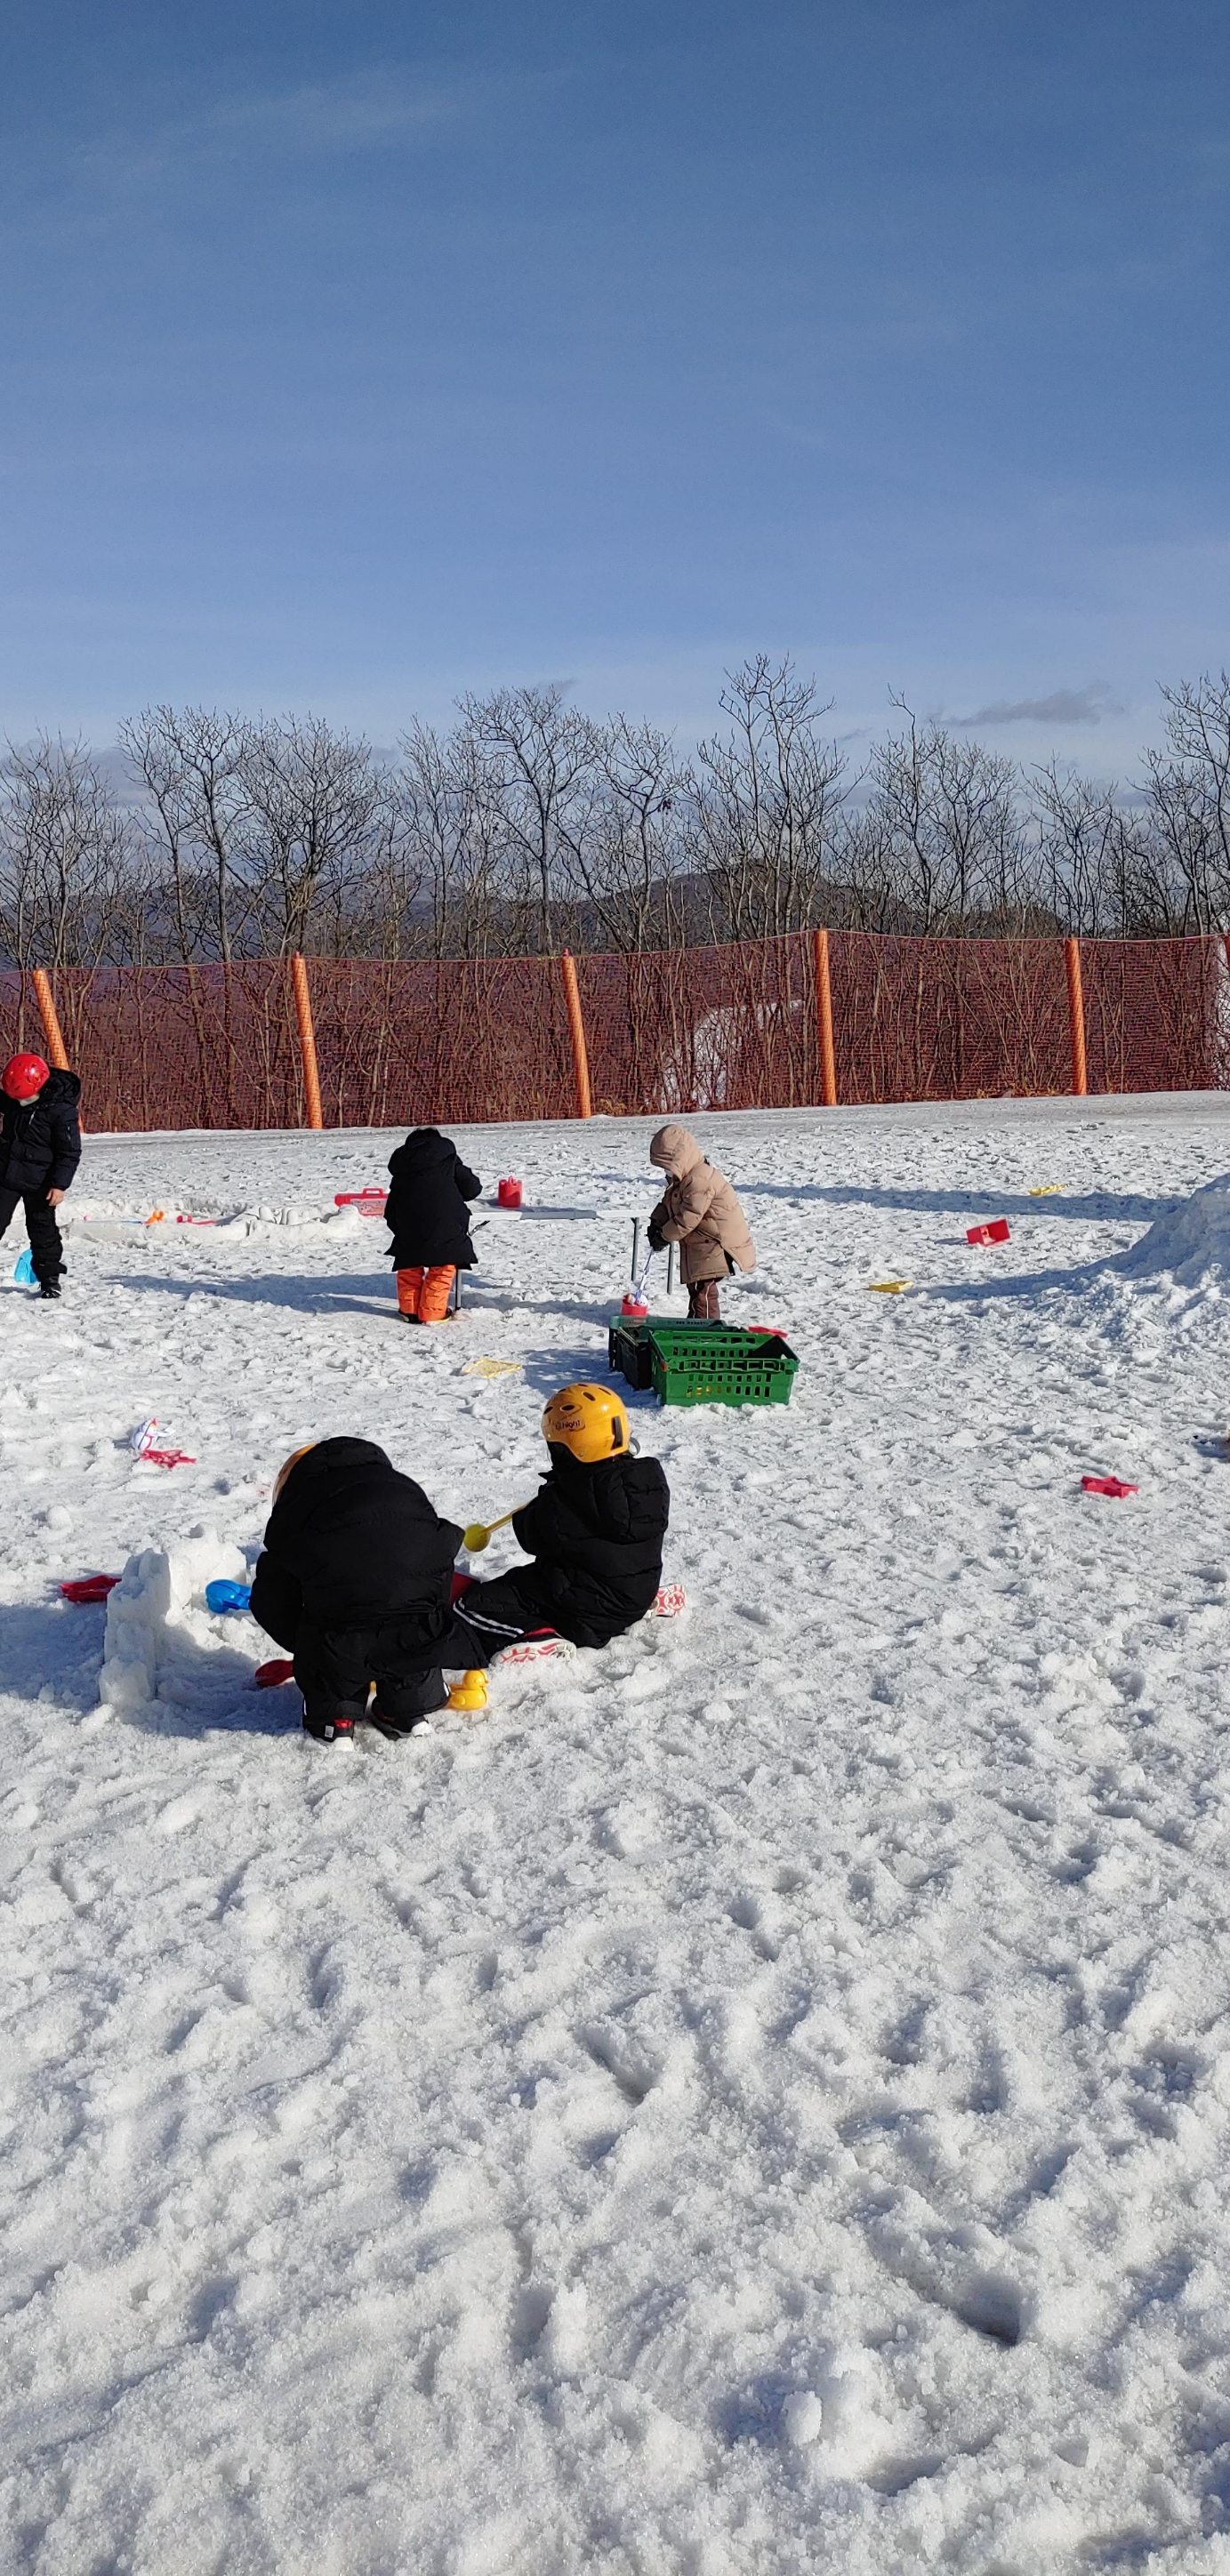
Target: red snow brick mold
[
  {"x": 89, "y": 1587},
  {"x": 279, "y": 1669},
  {"x": 998, "y": 1231},
  {"x": 1111, "y": 1485}
]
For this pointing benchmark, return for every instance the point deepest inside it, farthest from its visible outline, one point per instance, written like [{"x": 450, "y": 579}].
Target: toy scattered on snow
[
  {"x": 889, "y": 1287},
  {"x": 492, "y": 1368},
  {"x": 1112, "y": 1485},
  {"x": 1048, "y": 1190},
  {"x": 469, "y": 1693},
  {"x": 279, "y": 1668},
  {"x": 508, "y": 1193},
  {"x": 89, "y": 1587},
  {"x": 998, "y": 1231},
  {"x": 141, "y": 1443},
  {"x": 480, "y": 1533},
  {"x": 368, "y": 1202},
  {"x": 223, "y": 1595},
  {"x": 24, "y": 1275}
]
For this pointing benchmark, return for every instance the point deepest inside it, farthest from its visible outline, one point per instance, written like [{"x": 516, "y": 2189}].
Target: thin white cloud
[{"x": 1063, "y": 707}]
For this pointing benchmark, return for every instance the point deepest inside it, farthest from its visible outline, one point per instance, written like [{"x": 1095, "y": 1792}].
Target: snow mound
[
  {"x": 158, "y": 1628},
  {"x": 1191, "y": 1241}
]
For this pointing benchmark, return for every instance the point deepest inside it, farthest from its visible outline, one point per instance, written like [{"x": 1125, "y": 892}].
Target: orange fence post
[
  {"x": 1076, "y": 1015},
  {"x": 307, "y": 1043},
  {"x": 824, "y": 1015},
  {"x": 56, "y": 1052},
  {"x": 576, "y": 1031}
]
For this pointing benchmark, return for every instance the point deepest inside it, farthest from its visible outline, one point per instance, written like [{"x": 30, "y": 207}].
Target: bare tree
[
  {"x": 191, "y": 763},
  {"x": 765, "y": 798},
  {"x": 315, "y": 806},
  {"x": 944, "y": 817},
  {"x": 65, "y": 854},
  {"x": 541, "y": 782},
  {"x": 626, "y": 865}
]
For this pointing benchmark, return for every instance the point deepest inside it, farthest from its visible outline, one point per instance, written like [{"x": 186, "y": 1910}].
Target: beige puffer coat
[{"x": 699, "y": 1210}]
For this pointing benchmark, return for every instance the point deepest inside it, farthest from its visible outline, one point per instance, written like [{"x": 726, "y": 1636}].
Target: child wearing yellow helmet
[{"x": 594, "y": 1533}]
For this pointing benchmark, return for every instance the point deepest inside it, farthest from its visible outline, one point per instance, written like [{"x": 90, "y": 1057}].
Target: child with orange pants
[{"x": 427, "y": 1214}]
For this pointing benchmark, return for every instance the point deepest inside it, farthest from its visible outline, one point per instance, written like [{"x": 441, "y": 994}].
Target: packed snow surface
[{"x": 759, "y": 2100}]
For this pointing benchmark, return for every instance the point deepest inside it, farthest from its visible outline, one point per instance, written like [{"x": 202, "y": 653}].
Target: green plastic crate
[
  {"x": 719, "y": 1364},
  {"x": 628, "y": 1352}
]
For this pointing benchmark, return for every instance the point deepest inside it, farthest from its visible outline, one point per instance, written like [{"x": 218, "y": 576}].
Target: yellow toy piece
[
  {"x": 469, "y": 1693},
  {"x": 492, "y": 1368},
  {"x": 589, "y": 1420},
  {"x": 888, "y": 1287},
  {"x": 480, "y": 1533},
  {"x": 1049, "y": 1190}
]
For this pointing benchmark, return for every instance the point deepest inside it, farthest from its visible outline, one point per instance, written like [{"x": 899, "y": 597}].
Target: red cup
[{"x": 508, "y": 1194}]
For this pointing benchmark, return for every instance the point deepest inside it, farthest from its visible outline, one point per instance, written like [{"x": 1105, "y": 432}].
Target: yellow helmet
[
  {"x": 589, "y": 1420},
  {"x": 285, "y": 1468}
]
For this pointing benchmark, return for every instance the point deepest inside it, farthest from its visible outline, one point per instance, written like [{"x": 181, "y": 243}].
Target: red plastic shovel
[
  {"x": 1112, "y": 1485},
  {"x": 89, "y": 1587},
  {"x": 998, "y": 1231}
]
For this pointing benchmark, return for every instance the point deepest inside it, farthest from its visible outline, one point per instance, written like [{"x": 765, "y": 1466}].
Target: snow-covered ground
[{"x": 761, "y": 2100}]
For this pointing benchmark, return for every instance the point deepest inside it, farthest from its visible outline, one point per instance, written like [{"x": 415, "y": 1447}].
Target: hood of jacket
[
  {"x": 59, "y": 1087},
  {"x": 674, "y": 1150},
  {"x": 314, "y": 1476},
  {"x": 424, "y": 1148}
]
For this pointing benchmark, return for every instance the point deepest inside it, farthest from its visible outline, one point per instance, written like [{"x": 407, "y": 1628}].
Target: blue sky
[{"x": 356, "y": 352}]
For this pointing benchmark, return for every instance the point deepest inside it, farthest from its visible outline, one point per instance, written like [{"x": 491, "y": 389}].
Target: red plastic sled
[
  {"x": 89, "y": 1587},
  {"x": 279, "y": 1669},
  {"x": 998, "y": 1231},
  {"x": 1112, "y": 1485}
]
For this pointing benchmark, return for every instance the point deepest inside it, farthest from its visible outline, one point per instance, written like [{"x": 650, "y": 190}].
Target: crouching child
[
  {"x": 594, "y": 1533},
  {"x": 354, "y": 1582}
]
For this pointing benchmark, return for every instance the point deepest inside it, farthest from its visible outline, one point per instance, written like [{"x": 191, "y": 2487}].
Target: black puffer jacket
[
  {"x": 596, "y": 1535},
  {"x": 352, "y": 1544},
  {"x": 40, "y": 1139},
  {"x": 426, "y": 1206}
]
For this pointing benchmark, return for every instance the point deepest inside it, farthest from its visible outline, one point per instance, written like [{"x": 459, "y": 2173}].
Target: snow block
[{"x": 158, "y": 1628}]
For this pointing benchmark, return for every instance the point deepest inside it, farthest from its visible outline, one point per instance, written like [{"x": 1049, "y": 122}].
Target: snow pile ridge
[
  {"x": 1191, "y": 1241},
  {"x": 157, "y": 1622}
]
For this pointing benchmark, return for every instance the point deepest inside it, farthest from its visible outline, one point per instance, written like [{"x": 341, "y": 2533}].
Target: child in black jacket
[
  {"x": 594, "y": 1530},
  {"x": 355, "y": 1582},
  {"x": 40, "y": 1148},
  {"x": 430, "y": 1222}
]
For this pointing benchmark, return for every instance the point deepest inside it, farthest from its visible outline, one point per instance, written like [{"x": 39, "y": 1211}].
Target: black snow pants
[
  {"x": 46, "y": 1240},
  {"x": 335, "y": 1668},
  {"x": 490, "y": 1616}
]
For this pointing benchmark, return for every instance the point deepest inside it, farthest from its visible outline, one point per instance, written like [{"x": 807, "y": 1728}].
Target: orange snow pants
[{"x": 425, "y": 1293}]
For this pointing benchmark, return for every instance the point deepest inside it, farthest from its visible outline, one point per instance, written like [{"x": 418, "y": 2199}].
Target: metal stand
[
  {"x": 636, "y": 1248},
  {"x": 670, "y": 1268}
]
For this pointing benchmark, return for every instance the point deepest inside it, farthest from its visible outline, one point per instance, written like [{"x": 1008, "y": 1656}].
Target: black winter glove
[{"x": 655, "y": 1239}]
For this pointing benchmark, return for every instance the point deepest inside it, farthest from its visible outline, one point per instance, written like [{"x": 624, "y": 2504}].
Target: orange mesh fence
[
  {"x": 1157, "y": 1014},
  {"x": 948, "y": 1019},
  {"x": 455, "y": 1044},
  {"x": 701, "y": 1028},
  {"x": 182, "y": 1046},
  {"x": 467, "y": 1041}
]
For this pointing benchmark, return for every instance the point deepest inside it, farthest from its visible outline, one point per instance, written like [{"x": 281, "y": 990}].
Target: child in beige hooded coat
[{"x": 699, "y": 1211}]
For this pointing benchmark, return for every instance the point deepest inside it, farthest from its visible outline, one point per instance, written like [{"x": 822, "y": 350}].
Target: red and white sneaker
[
  {"x": 544, "y": 1649},
  {"x": 670, "y": 1601}
]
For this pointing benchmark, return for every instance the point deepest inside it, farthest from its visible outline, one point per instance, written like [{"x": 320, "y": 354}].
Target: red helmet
[{"x": 23, "y": 1075}]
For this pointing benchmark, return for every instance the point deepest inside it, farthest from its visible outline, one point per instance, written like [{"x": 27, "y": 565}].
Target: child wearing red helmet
[{"x": 40, "y": 1148}]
